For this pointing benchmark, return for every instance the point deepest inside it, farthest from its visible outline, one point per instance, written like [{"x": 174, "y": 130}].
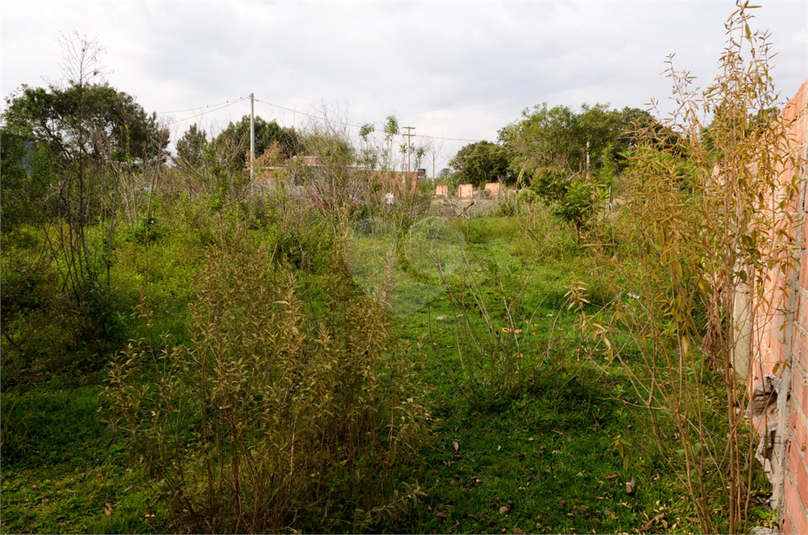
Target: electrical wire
[
  {"x": 318, "y": 118},
  {"x": 206, "y": 111},
  {"x": 198, "y": 107}
]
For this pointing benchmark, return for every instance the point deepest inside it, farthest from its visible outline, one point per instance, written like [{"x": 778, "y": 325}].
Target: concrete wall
[{"x": 779, "y": 349}]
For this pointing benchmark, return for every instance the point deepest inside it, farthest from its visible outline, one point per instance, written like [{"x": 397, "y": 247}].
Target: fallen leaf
[
  {"x": 648, "y": 525},
  {"x": 613, "y": 476},
  {"x": 504, "y": 509},
  {"x": 108, "y": 509},
  {"x": 455, "y": 445},
  {"x": 631, "y": 487},
  {"x": 441, "y": 514},
  {"x": 518, "y": 531},
  {"x": 499, "y": 448},
  {"x": 692, "y": 518},
  {"x": 460, "y": 315}
]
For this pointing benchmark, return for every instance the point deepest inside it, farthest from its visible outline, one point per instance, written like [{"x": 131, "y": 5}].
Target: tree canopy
[
  {"x": 232, "y": 145},
  {"x": 86, "y": 121},
  {"x": 482, "y": 162},
  {"x": 561, "y": 138},
  {"x": 66, "y": 139}
]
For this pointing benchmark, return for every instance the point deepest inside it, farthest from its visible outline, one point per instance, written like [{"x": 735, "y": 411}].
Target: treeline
[{"x": 594, "y": 140}]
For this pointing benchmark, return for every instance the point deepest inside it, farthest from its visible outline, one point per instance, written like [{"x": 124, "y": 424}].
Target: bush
[{"x": 279, "y": 410}]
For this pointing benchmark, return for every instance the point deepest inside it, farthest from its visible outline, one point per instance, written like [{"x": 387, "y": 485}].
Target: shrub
[{"x": 279, "y": 409}]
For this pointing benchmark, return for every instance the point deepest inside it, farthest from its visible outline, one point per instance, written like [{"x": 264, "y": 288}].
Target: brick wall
[
  {"x": 781, "y": 349},
  {"x": 465, "y": 191}
]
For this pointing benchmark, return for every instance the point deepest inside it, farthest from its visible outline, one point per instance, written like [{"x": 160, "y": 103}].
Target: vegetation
[
  {"x": 482, "y": 162},
  {"x": 184, "y": 351}
]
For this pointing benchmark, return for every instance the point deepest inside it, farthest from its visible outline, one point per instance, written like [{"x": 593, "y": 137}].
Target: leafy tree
[
  {"x": 561, "y": 138},
  {"x": 569, "y": 157},
  {"x": 482, "y": 162},
  {"x": 86, "y": 122},
  {"x": 232, "y": 145},
  {"x": 191, "y": 148},
  {"x": 68, "y": 151}
]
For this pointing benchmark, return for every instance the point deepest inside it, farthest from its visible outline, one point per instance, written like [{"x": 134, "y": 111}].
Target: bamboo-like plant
[
  {"x": 707, "y": 217},
  {"x": 280, "y": 408}
]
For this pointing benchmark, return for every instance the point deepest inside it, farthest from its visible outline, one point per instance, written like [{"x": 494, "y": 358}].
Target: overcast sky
[{"x": 458, "y": 70}]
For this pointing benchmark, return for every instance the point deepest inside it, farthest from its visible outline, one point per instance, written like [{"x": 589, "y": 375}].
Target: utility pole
[
  {"x": 409, "y": 135},
  {"x": 252, "y": 143},
  {"x": 587, "y": 157}
]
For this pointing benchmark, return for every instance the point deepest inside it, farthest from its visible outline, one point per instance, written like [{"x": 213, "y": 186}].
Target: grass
[
  {"x": 556, "y": 453},
  {"x": 552, "y": 452},
  {"x": 63, "y": 471}
]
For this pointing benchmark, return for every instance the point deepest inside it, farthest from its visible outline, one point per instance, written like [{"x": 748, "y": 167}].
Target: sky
[{"x": 455, "y": 71}]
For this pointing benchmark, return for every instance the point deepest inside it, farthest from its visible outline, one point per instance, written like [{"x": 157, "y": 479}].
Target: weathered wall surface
[{"x": 780, "y": 351}]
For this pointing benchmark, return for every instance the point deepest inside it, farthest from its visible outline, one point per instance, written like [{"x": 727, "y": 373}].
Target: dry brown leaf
[
  {"x": 504, "y": 509},
  {"x": 108, "y": 509},
  {"x": 613, "y": 476},
  {"x": 631, "y": 487},
  {"x": 648, "y": 525},
  {"x": 455, "y": 445}
]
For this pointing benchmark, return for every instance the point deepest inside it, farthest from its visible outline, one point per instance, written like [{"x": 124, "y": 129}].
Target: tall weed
[
  {"x": 281, "y": 410},
  {"x": 705, "y": 214}
]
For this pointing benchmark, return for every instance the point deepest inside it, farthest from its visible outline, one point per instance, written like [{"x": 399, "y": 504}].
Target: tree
[
  {"x": 86, "y": 121},
  {"x": 561, "y": 138},
  {"x": 482, "y": 162},
  {"x": 84, "y": 132},
  {"x": 232, "y": 145},
  {"x": 191, "y": 148}
]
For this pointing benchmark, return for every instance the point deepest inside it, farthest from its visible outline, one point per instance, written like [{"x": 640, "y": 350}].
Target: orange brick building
[{"x": 780, "y": 350}]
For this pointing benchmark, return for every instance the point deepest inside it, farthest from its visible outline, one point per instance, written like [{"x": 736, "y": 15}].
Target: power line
[
  {"x": 198, "y": 107},
  {"x": 210, "y": 108},
  {"x": 307, "y": 114},
  {"x": 359, "y": 125},
  {"x": 206, "y": 111}
]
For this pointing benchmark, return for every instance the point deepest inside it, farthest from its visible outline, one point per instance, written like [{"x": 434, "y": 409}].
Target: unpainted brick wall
[{"x": 782, "y": 347}]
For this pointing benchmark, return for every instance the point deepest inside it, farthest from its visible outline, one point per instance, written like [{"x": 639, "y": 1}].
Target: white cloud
[{"x": 462, "y": 70}]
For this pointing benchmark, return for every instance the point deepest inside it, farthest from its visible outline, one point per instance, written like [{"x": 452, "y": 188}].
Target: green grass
[
  {"x": 549, "y": 446},
  {"x": 552, "y": 452},
  {"x": 63, "y": 470}
]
